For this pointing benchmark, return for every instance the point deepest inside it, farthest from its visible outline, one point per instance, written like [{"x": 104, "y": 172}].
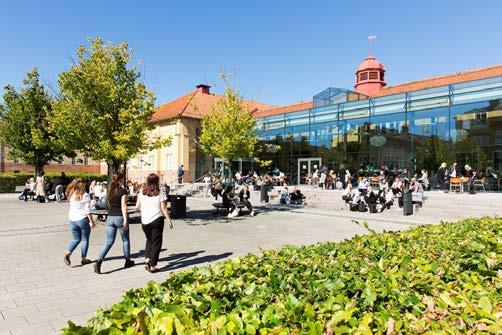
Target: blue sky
[{"x": 282, "y": 51}]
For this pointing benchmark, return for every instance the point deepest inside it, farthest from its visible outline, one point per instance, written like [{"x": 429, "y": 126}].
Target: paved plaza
[{"x": 38, "y": 293}]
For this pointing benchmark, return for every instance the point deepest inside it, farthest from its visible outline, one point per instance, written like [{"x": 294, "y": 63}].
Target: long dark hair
[
  {"x": 117, "y": 180},
  {"x": 152, "y": 187}
]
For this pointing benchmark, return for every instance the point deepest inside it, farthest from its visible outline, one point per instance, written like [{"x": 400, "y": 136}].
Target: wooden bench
[
  {"x": 220, "y": 205},
  {"x": 20, "y": 189}
]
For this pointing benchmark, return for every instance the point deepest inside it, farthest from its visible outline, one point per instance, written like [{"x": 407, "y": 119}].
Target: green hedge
[
  {"x": 9, "y": 181},
  {"x": 436, "y": 279}
]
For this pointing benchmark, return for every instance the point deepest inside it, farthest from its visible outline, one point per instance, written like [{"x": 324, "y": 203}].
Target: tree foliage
[
  {"x": 228, "y": 130},
  {"x": 104, "y": 110},
  {"x": 24, "y": 124}
]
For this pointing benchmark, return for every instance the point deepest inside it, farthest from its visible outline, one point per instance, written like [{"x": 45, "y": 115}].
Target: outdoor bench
[
  {"x": 102, "y": 214},
  {"x": 220, "y": 205}
]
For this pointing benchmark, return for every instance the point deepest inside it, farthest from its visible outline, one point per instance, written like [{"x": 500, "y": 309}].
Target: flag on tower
[{"x": 371, "y": 37}]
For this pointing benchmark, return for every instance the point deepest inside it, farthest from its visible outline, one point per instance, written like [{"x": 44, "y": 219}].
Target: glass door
[{"x": 306, "y": 167}]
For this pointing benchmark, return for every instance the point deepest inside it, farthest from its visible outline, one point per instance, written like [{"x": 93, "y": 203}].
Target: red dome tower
[{"x": 370, "y": 77}]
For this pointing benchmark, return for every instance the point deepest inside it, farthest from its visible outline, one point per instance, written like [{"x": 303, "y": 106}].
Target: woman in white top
[
  {"x": 81, "y": 220},
  {"x": 153, "y": 210}
]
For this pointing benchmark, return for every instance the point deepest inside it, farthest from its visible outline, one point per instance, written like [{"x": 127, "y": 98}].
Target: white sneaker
[{"x": 252, "y": 213}]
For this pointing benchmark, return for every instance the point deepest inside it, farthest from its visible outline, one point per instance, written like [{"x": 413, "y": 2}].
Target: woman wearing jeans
[
  {"x": 152, "y": 206},
  {"x": 81, "y": 220},
  {"x": 117, "y": 220}
]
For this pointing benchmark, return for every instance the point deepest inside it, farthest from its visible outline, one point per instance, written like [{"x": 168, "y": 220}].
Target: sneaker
[
  {"x": 129, "y": 263},
  {"x": 67, "y": 259},
  {"x": 252, "y": 213},
  {"x": 97, "y": 266}
]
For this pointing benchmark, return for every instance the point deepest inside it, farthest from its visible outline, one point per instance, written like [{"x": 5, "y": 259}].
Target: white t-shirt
[
  {"x": 79, "y": 209},
  {"x": 150, "y": 208}
]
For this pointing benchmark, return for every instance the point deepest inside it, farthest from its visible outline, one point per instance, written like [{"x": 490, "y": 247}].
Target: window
[
  {"x": 86, "y": 160},
  {"x": 168, "y": 163},
  {"x": 481, "y": 139},
  {"x": 60, "y": 161},
  {"x": 73, "y": 161},
  {"x": 373, "y": 75},
  {"x": 363, "y": 76},
  {"x": 497, "y": 160},
  {"x": 16, "y": 160},
  {"x": 498, "y": 136},
  {"x": 382, "y": 76},
  {"x": 151, "y": 162},
  {"x": 480, "y": 119}
]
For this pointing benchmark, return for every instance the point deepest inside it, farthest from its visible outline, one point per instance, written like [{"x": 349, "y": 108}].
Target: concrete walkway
[{"x": 38, "y": 293}]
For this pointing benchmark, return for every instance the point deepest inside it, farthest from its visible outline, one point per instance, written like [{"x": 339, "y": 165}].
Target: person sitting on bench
[
  {"x": 386, "y": 199},
  {"x": 296, "y": 196},
  {"x": 217, "y": 187},
  {"x": 348, "y": 194},
  {"x": 29, "y": 190},
  {"x": 243, "y": 199},
  {"x": 371, "y": 198}
]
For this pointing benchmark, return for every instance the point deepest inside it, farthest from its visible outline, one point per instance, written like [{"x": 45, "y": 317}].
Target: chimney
[{"x": 202, "y": 88}]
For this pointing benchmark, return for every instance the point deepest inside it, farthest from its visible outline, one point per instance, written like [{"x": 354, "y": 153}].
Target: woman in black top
[{"x": 117, "y": 220}]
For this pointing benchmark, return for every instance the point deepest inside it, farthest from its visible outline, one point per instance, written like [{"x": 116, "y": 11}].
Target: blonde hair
[{"x": 77, "y": 187}]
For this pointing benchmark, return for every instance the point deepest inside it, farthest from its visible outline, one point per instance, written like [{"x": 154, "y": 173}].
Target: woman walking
[
  {"x": 81, "y": 220},
  {"x": 152, "y": 206},
  {"x": 117, "y": 220}
]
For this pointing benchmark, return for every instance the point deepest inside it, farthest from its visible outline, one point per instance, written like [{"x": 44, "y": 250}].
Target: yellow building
[{"x": 181, "y": 119}]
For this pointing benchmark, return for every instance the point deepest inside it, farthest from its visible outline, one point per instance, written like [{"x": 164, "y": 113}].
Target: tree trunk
[
  {"x": 38, "y": 168},
  {"x": 113, "y": 168},
  {"x": 230, "y": 182}
]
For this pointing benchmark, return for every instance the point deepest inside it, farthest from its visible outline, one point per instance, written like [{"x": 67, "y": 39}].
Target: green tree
[
  {"x": 104, "y": 110},
  {"x": 228, "y": 130},
  {"x": 24, "y": 126}
]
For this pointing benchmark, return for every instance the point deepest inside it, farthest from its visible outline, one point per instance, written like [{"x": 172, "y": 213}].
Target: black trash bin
[
  {"x": 178, "y": 206},
  {"x": 373, "y": 208},
  {"x": 264, "y": 192},
  {"x": 407, "y": 202}
]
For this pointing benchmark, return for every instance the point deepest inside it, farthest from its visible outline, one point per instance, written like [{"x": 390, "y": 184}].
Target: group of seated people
[
  {"x": 377, "y": 199},
  {"x": 53, "y": 189},
  {"x": 294, "y": 197},
  {"x": 233, "y": 198}
]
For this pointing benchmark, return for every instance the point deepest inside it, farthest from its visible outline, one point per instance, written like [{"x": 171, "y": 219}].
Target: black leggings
[
  {"x": 153, "y": 233},
  {"x": 245, "y": 202}
]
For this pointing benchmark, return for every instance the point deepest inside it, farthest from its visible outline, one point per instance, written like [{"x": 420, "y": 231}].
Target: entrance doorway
[{"x": 306, "y": 167}]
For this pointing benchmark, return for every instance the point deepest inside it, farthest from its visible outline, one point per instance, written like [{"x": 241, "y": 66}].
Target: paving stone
[
  {"x": 43, "y": 317},
  {"x": 38, "y": 293},
  {"x": 44, "y": 328},
  {"x": 13, "y": 313},
  {"x": 17, "y": 322}
]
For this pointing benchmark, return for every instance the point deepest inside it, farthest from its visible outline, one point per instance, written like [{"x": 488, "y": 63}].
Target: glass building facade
[{"x": 413, "y": 130}]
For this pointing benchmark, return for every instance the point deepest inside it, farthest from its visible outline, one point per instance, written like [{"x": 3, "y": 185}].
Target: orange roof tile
[
  {"x": 454, "y": 78},
  {"x": 195, "y": 105},
  {"x": 284, "y": 109}
]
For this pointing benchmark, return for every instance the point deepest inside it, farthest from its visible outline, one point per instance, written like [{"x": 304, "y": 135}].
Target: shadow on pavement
[
  {"x": 174, "y": 257},
  {"x": 183, "y": 262}
]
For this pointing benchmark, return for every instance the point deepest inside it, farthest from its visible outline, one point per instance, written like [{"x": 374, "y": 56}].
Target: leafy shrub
[
  {"x": 9, "y": 181},
  {"x": 437, "y": 279}
]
